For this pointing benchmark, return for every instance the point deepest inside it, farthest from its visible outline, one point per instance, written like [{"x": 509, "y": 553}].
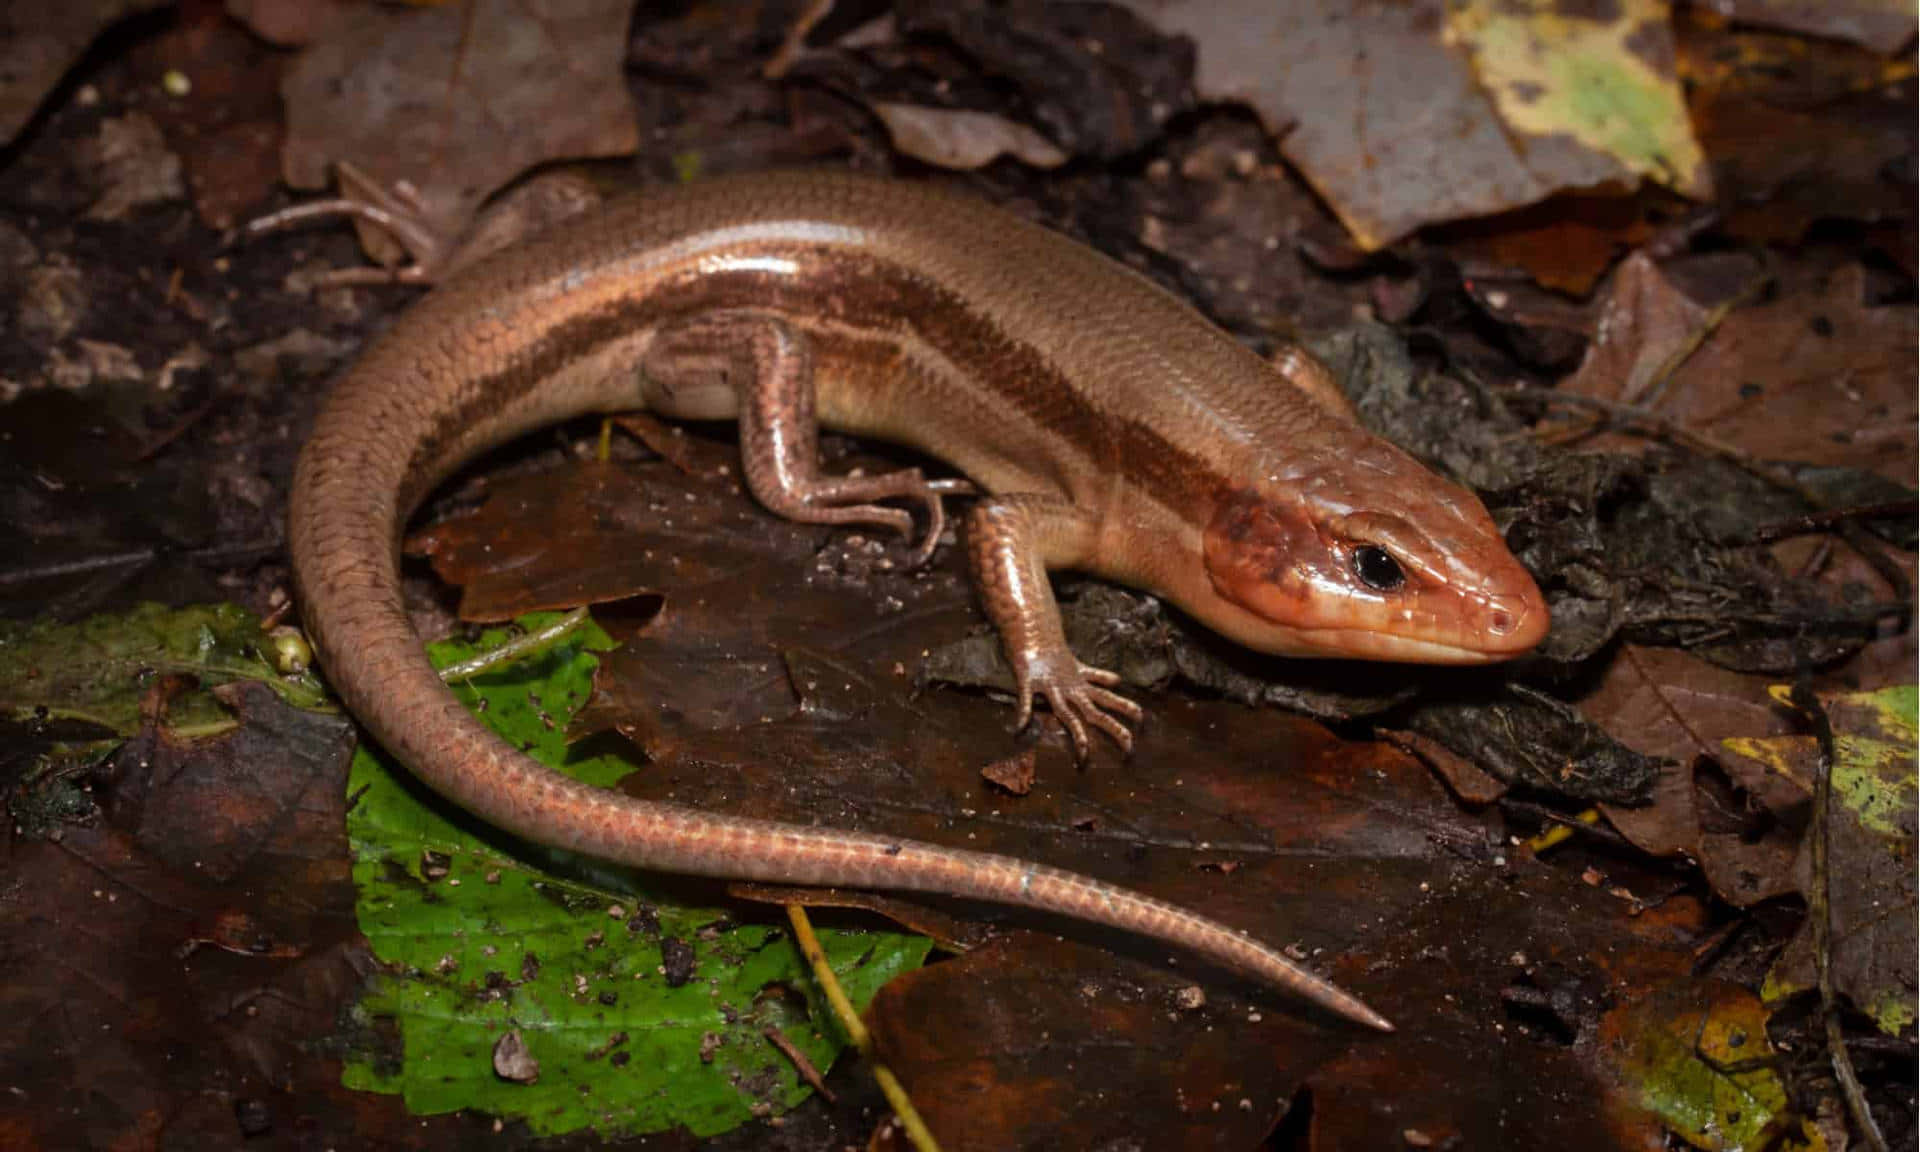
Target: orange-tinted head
[{"x": 1368, "y": 555}]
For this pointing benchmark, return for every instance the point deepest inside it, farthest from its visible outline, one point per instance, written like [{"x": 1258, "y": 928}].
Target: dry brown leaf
[
  {"x": 40, "y": 40},
  {"x": 457, "y": 100},
  {"x": 1882, "y": 25},
  {"x": 1814, "y": 376},
  {"x": 287, "y": 23},
  {"x": 1743, "y": 829},
  {"x": 1566, "y": 243}
]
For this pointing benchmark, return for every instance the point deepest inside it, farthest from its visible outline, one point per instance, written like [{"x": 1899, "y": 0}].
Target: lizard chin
[
  {"x": 1358, "y": 644},
  {"x": 1255, "y": 630}
]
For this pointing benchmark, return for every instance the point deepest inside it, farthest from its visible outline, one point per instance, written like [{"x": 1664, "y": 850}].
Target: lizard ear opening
[{"x": 1254, "y": 550}]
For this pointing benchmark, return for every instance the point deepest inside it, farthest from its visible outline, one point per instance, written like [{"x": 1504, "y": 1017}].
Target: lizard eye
[{"x": 1377, "y": 568}]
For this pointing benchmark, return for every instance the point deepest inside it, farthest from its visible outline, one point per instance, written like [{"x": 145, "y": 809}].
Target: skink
[{"x": 1112, "y": 429}]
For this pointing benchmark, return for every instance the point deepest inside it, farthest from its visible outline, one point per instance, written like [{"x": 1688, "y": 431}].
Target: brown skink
[{"x": 1114, "y": 430}]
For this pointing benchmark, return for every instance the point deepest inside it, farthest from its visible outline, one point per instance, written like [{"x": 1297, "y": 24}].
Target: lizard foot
[
  {"x": 1080, "y": 695},
  {"x": 828, "y": 504}
]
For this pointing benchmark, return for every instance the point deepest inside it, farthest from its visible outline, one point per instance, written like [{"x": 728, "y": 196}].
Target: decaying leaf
[
  {"x": 1698, "y": 1057},
  {"x": 1404, "y": 115},
  {"x": 205, "y": 922},
  {"x": 1565, "y": 243},
  {"x": 1799, "y": 131},
  {"x": 766, "y": 686},
  {"x": 1740, "y": 822},
  {"x": 1559, "y": 78},
  {"x": 40, "y": 40},
  {"x": 1882, "y": 25},
  {"x": 1815, "y": 376},
  {"x": 1100, "y": 81},
  {"x": 100, "y": 669},
  {"x": 1870, "y": 856},
  {"x": 457, "y": 100},
  {"x": 1033, "y": 1042},
  {"x": 961, "y": 138}
]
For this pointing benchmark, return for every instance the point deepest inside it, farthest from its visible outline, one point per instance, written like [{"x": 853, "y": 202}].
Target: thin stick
[
  {"x": 799, "y": 1061},
  {"x": 1821, "y": 911},
  {"x": 918, "y": 1135},
  {"x": 513, "y": 649}
]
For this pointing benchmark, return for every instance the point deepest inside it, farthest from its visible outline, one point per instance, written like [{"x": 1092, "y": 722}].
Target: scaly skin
[{"x": 1116, "y": 430}]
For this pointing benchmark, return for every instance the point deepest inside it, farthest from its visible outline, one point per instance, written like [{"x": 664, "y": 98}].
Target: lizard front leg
[
  {"x": 1012, "y": 540},
  {"x": 759, "y": 367}
]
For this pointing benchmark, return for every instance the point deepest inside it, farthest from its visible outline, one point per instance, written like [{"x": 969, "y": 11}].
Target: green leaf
[
  {"x": 1585, "y": 77},
  {"x": 482, "y": 934},
  {"x": 1698, "y": 1058},
  {"x": 99, "y": 669}
]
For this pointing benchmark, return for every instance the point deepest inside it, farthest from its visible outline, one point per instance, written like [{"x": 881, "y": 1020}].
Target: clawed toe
[{"x": 1079, "y": 702}]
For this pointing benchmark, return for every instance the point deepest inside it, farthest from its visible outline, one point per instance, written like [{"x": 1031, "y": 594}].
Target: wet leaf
[
  {"x": 1870, "y": 856},
  {"x": 201, "y": 926},
  {"x": 1799, "y": 131},
  {"x": 482, "y": 936},
  {"x": 100, "y": 669},
  {"x": 459, "y": 99},
  {"x": 41, "y": 40},
  {"x": 229, "y": 128},
  {"x": 1700, "y": 1060},
  {"x": 1032, "y": 1042},
  {"x": 286, "y": 23}
]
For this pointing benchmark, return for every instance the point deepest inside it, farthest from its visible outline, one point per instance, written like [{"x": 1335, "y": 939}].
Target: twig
[
  {"x": 799, "y": 1061},
  {"x": 1821, "y": 521},
  {"x": 514, "y": 649},
  {"x": 1670, "y": 367},
  {"x": 1866, "y": 613},
  {"x": 795, "y": 44},
  {"x": 918, "y": 1135},
  {"x": 407, "y": 231},
  {"x": 1654, "y": 421},
  {"x": 1821, "y": 911},
  {"x": 179, "y": 428},
  {"x": 212, "y": 556}
]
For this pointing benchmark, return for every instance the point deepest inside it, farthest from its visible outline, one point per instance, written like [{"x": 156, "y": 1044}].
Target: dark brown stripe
[{"x": 860, "y": 291}]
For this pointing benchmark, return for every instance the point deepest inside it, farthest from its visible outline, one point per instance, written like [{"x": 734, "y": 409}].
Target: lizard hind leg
[{"x": 759, "y": 367}]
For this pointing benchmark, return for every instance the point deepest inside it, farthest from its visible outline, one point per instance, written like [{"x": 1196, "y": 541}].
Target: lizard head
[{"x": 1371, "y": 557}]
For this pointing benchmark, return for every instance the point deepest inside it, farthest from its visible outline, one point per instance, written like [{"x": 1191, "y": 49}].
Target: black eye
[{"x": 1377, "y": 568}]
